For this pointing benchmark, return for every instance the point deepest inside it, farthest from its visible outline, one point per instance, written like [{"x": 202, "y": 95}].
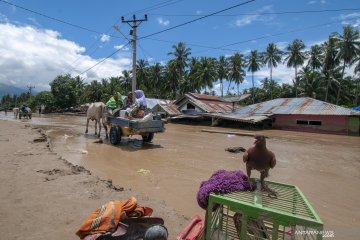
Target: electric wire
[
  {"x": 267, "y": 36},
  {"x": 156, "y": 6},
  {"x": 109, "y": 56},
  {"x": 197, "y": 19},
  {"x": 255, "y": 14},
  {"x": 194, "y": 20},
  {"x": 55, "y": 19}
]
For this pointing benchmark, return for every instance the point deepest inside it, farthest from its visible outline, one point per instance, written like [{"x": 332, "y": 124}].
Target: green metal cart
[{"x": 260, "y": 215}]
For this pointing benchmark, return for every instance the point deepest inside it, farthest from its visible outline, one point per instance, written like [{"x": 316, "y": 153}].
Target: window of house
[
  {"x": 317, "y": 123},
  {"x": 190, "y": 106},
  {"x": 302, "y": 122}
]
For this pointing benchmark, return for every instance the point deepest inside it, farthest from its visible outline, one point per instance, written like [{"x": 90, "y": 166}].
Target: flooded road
[{"x": 325, "y": 167}]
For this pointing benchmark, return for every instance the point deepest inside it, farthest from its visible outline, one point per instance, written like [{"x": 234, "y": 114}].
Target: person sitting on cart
[
  {"x": 128, "y": 101},
  {"x": 25, "y": 108},
  {"x": 137, "y": 110},
  {"x": 115, "y": 102}
]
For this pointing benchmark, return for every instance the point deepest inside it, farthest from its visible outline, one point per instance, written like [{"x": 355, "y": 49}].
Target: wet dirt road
[{"x": 325, "y": 167}]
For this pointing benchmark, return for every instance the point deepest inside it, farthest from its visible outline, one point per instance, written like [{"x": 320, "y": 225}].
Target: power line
[
  {"x": 226, "y": 9},
  {"x": 109, "y": 56},
  {"x": 255, "y": 14},
  {"x": 282, "y": 33},
  {"x": 156, "y": 6},
  {"x": 266, "y": 36},
  {"x": 117, "y": 28},
  {"x": 190, "y": 44},
  {"x": 145, "y": 53},
  {"x": 55, "y": 19},
  {"x": 278, "y": 34},
  {"x": 197, "y": 19}
]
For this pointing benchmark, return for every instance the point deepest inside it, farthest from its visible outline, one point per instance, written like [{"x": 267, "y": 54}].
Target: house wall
[{"x": 329, "y": 123}]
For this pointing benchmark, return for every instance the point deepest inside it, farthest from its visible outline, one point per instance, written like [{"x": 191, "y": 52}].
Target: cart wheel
[
  {"x": 114, "y": 135},
  {"x": 148, "y": 137}
]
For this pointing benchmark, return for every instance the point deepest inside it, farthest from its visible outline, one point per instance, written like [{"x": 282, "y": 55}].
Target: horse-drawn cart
[{"x": 124, "y": 127}]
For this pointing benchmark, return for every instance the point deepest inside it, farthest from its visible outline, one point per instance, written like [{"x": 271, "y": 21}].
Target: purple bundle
[{"x": 222, "y": 181}]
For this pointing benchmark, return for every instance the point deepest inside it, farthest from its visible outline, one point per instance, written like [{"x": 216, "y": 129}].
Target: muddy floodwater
[{"x": 325, "y": 167}]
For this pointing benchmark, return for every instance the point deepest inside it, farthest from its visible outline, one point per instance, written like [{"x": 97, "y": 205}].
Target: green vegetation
[{"x": 323, "y": 77}]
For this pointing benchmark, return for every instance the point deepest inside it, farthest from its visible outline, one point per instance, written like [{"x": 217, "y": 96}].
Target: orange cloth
[{"x": 107, "y": 217}]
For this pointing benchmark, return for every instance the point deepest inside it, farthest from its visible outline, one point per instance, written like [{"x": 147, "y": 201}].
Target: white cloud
[
  {"x": 351, "y": 18},
  {"x": 282, "y": 45},
  {"x": 33, "y": 20},
  {"x": 122, "y": 47},
  {"x": 34, "y": 56},
  {"x": 281, "y": 74},
  {"x": 313, "y": 2},
  {"x": 3, "y": 18},
  {"x": 105, "y": 38},
  {"x": 246, "y": 20},
  {"x": 249, "y": 19},
  {"x": 163, "y": 22}
]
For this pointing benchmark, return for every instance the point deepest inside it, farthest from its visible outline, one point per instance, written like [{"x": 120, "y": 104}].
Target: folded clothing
[{"x": 107, "y": 217}]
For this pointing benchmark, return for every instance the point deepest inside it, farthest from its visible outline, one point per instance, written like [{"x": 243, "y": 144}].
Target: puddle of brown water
[{"x": 325, "y": 167}]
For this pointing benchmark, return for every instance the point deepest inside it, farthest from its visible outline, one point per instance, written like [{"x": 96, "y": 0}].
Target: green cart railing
[{"x": 258, "y": 215}]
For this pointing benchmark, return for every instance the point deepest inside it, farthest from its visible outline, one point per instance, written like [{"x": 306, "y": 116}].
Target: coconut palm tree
[
  {"x": 236, "y": 71},
  {"x": 155, "y": 79},
  {"x": 142, "y": 73},
  {"x": 125, "y": 81},
  {"x": 315, "y": 57},
  {"x": 348, "y": 44},
  {"x": 329, "y": 63},
  {"x": 272, "y": 57},
  {"x": 310, "y": 83},
  {"x": 357, "y": 80},
  {"x": 171, "y": 76},
  {"x": 206, "y": 72},
  {"x": 193, "y": 69},
  {"x": 295, "y": 57},
  {"x": 222, "y": 71},
  {"x": 286, "y": 91},
  {"x": 181, "y": 54},
  {"x": 254, "y": 64},
  {"x": 269, "y": 86}
]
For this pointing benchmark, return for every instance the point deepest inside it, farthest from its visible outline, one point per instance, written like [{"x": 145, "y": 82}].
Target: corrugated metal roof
[
  {"x": 204, "y": 96},
  {"x": 169, "y": 108},
  {"x": 305, "y": 105},
  {"x": 235, "y": 98},
  {"x": 209, "y": 104},
  {"x": 152, "y": 102}
]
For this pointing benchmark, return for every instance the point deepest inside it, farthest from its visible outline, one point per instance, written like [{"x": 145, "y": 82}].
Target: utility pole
[
  {"x": 30, "y": 87},
  {"x": 135, "y": 23}
]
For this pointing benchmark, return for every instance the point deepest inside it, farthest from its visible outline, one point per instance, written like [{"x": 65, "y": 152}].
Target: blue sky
[{"x": 35, "y": 49}]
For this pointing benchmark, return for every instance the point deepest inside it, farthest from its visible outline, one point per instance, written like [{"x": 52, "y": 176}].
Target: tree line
[{"x": 320, "y": 73}]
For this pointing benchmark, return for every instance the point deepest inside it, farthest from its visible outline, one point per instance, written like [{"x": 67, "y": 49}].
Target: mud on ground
[{"x": 45, "y": 197}]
